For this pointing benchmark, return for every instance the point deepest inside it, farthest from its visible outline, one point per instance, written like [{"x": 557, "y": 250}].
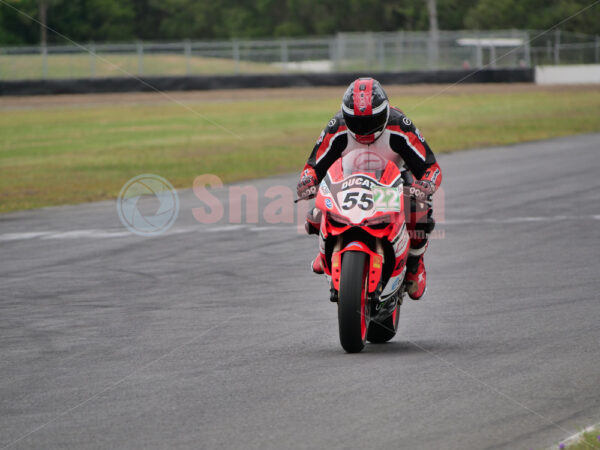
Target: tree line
[{"x": 127, "y": 20}]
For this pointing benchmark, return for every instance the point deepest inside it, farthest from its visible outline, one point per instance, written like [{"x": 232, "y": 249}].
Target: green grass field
[
  {"x": 79, "y": 65},
  {"x": 57, "y": 153},
  {"x": 19, "y": 67}
]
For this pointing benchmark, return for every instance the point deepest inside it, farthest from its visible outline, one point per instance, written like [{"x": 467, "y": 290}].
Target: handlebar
[
  {"x": 312, "y": 193},
  {"x": 310, "y": 197}
]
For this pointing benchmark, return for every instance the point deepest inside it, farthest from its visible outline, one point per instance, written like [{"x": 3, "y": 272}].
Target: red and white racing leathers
[{"x": 400, "y": 142}]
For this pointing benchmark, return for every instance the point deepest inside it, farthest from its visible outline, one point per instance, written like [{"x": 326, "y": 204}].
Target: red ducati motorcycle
[{"x": 366, "y": 246}]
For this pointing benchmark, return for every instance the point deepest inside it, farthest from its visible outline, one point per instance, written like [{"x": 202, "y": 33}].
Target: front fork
[
  {"x": 380, "y": 309},
  {"x": 374, "y": 260}
]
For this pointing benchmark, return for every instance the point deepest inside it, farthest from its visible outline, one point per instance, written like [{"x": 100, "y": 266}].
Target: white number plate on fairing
[{"x": 387, "y": 199}]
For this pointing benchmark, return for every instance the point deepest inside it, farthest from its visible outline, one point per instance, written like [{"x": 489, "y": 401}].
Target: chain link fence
[{"x": 355, "y": 52}]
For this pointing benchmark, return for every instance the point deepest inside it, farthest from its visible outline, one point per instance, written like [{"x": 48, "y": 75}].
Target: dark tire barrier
[{"x": 199, "y": 83}]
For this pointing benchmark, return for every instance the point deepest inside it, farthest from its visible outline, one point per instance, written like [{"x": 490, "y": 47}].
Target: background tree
[
  {"x": 127, "y": 20},
  {"x": 533, "y": 14},
  {"x": 16, "y": 28}
]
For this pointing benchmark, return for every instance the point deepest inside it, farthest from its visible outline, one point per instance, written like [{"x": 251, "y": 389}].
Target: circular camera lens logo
[{"x": 148, "y": 205}]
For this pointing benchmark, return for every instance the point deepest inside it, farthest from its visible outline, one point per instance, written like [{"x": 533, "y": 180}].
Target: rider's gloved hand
[
  {"x": 307, "y": 187},
  {"x": 422, "y": 190}
]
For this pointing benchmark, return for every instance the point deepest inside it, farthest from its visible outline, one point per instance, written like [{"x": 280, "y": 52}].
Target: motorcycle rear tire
[{"x": 381, "y": 332}]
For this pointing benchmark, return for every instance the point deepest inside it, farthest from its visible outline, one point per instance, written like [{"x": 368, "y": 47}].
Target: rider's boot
[
  {"x": 416, "y": 276},
  {"x": 312, "y": 226}
]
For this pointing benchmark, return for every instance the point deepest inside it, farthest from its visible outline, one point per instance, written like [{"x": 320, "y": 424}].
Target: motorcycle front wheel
[{"x": 353, "y": 307}]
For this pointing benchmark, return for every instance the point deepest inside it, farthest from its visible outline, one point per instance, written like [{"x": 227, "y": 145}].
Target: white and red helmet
[{"x": 366, "y": 110}]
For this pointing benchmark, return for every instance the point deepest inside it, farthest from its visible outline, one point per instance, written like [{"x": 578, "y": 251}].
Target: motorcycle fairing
[{"x": 386, "y": 225}]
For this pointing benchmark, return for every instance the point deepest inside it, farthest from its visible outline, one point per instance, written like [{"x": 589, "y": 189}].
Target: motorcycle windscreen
[{"x": 363, "y": 161}]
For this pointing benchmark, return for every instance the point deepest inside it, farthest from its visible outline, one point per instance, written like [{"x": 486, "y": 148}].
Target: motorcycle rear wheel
[
  {"x": 381, "y": 332},
  {"x": 353, "y": 306}
]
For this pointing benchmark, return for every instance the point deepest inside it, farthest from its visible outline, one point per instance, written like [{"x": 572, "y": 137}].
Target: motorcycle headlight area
[
  {"x": 377, "y": 223},
  {"x": 337, "y": 221}
]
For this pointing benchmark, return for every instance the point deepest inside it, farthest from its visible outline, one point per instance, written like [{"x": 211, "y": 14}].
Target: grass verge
[
  {"x": 590, "y": 440},
  {"x": 21, "y": 67},
  {"x": 55, "y": 153}
]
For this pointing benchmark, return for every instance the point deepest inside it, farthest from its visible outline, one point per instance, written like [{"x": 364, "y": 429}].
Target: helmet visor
[{"x": 364, "y": 125}]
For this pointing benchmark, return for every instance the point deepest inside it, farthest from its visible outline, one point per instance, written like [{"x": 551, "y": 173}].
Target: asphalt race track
[{"x": 218, "y": 336}]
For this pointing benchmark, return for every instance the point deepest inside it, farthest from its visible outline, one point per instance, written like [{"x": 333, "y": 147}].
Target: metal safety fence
[{"x": 398, "y": 52}]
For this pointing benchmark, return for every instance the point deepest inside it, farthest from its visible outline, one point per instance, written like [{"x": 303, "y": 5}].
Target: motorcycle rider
[{"x": 367, "y": 122}]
